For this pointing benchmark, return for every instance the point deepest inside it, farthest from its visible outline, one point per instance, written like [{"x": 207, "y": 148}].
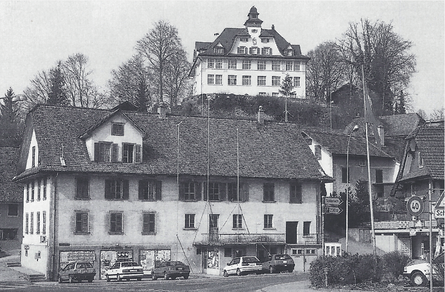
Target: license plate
[
  {"x": 285, "y": 262},
  {"x": 179, "y": 268},
  {"x": 133, "y": 270}
]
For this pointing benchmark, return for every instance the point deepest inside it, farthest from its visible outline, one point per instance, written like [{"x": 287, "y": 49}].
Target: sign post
[{"x": 331, "y": 205}]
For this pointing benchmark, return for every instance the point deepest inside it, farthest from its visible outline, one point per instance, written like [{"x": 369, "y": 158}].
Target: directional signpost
[{"x": 331, "y": 205}]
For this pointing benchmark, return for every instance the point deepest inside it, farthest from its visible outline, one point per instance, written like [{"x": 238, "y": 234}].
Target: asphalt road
[{"x": 245, "y": 283}]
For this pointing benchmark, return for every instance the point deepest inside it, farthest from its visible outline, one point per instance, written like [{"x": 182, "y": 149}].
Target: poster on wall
[
  {"x": 213, "y": 259},
  {"x": 76, "y": 255},
  {"x": 109, "y": 257},
  {"x": 149, "y": 256}
]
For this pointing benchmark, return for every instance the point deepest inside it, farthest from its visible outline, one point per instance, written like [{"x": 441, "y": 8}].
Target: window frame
[
  {"x": 261, "y": 65},
  {"x": 38, "y": 222},
  {"x": 214, "y": 191},
  {"x": 276, "y": 66},
  {"x": 296, "y": 193},
  {"x": 211, "y": 63},
  {"x": 268, "y": 221},
  {"x": 260, "y": 80},
  {"x": 82, "y": 222},
  {"x": 306, "y": 228},
  {"x": 189, "y": 221},
  {"x": 117, "y": 129},
  {"x": 82, "y": 187},
  {"x": 268, "y": 192},
  {"x": 246, "y": 64},
  {"x": 149, "y": 223},
  {"x": 115, "y": 187},
  {"x": 276, "y": 80},
  {"x": 345, "y": 173},
  {"x": 210, "y": 79},
  {"x": 150, "y": 190},
  {"x": 13, "y": 214},
  {"x": 113, "y": 227},
  {"x": 231, "y": 80},
  {"x": 317, "y": 151},
  {"x": 237, "y": 222},
  {"x": 296, "y": 81},
  {"x": 232, "y": 64},
  {"x": 247, "y": 80},
  {"x": 218, "y": 64},
  {"x": 128, "y": 152}
]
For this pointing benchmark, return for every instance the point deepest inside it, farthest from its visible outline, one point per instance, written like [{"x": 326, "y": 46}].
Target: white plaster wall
[{"x": 33, "y": 143}]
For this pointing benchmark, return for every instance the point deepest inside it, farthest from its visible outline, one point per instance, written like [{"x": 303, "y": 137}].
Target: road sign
[
  {"x": 332, "y": 201},
  {"x": 440, "y": 202},
  {"x": 333, "y": 210},
  {"x": 414, "y": 206},
  {"x": 439, "y": 213}
]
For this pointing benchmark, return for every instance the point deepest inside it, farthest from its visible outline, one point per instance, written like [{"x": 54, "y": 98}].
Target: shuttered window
[
  {"x": 149, "y": 223},
  {"x": 116, "y": 223},
  {"x": 81, "y": 223},
  {"x": 116, "y": 189},
  {"x": 150, "y": 190}
]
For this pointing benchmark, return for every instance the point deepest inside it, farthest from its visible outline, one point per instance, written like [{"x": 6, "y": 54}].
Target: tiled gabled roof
[
  {"x": 337, "y": 143},
  {"x": 10, "y": 192},
  {"x": 273, "y": 150},
  {"x": 227, "y": 38},
  {"x": 430, "y": 143}
]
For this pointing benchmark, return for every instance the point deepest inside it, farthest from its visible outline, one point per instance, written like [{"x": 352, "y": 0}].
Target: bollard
[{"x": 326, "y": 270}]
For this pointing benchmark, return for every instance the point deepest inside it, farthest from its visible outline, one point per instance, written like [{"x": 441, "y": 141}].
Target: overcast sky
[{"x": 35, "y": 34}]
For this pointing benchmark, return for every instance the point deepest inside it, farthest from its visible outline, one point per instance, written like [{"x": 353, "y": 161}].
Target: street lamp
[{"x": 347, "y": 185}]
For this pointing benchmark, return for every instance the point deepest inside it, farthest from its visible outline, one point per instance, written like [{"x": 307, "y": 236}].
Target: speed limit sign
[{"x": 415, "y": 206}]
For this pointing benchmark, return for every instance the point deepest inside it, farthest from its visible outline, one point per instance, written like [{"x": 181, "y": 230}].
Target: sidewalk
[{"x": 9, "y": 274}]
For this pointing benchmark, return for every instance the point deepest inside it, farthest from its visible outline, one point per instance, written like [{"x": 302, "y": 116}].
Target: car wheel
[
  {"x": 225, "y": 274},
  {"x": 153, "y": 277},
  {"x": 139, "y": 279},
  {"x": 108, "y": 278},
  {"x": 128, "y": 279},
  {"x": 119, "y": 278},
  {"x": 271, "y": 270},
  {"x": 71, "y": 280},
  {"x": 186, "y": 277},
  {"x": 90, "y": 280},
  {"x": 418, "y": 279},
  {"x": 166, "y": 276},
  {"x": 173, "y": 277},
  {"x": 238, "y": 272},
  {"x": 59, "y": 279}
]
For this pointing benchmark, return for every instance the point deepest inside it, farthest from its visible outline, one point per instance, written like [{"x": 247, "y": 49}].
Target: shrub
[
  {"x": 347, "y": 269},
  {"x": 394, "y": 262}
]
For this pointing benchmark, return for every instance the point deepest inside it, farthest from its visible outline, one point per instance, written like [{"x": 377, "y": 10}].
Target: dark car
[
  {"x": 125, "y": 270},
  {"x": 170, "y": 270},
  {"x": 77, "y": 271},
  {"x": 279, "y": 263}
]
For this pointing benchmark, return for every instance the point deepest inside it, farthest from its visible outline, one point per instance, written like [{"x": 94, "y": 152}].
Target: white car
[
  {"x": 418, "y": 271},
  {"x": 243, "y": 265},
  {"x": 125, "y": 270}
]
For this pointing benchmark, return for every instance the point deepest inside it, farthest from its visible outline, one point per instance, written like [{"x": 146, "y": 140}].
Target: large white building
[
  {"x": 105, "y": 185},
  {"x": 250, "y": 60}
]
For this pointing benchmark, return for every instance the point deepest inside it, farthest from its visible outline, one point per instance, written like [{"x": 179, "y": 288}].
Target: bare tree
[
  {"x": 325, "y": 71},
  {"x": 176, "y": 77},
  {"x": 383, "y": 56},
  {"x": 162, "y": 48},
  {"x": 437, "y": 114},
  {"x": 78, "y": 85},
  {"x": 130, "y": 82}
]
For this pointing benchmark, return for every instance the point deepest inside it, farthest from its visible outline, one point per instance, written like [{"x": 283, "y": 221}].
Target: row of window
[
  {"x": 116, "y": 222},
  {"x": 247, "y": 65},
  {"x": 32, "y": 194},
  {"x": 151, "y": 190},
  {"x": 40, "y": 223},
  {"x": 243, "y": 50},
  {"x": 246, "y": 80}
]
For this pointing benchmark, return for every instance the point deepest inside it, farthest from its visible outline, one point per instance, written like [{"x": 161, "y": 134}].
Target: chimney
[
  {"x": 260, "y": 115},
  {"x": 381, "y": 133},
  {"x": 162, "y": 110}
]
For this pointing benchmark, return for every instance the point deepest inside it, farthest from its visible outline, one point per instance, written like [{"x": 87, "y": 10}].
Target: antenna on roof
[{"x": 62, "y": 158}]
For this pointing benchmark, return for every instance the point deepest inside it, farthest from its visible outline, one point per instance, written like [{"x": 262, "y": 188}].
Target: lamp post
[{"x": 347, "y": 185}]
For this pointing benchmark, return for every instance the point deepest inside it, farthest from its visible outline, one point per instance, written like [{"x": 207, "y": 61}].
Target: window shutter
[
  {"x": 138, "y": 153},
  {"x": 238, "y": 50},
  {"x": 158, "y": 190},
  {"x": 181, "y": 191},
  {"x": 96, "y": 152},
  {"x": 126, "y": 189},
  {"x": 244, "y": 192},
  {"x": 222, "y": 191},
  {"x": 250, "y": 50},
  {"x": 201, "y": 191},
  {"x": 114, "y": 152},
  {"x": 84, "y": 222},
  {"x": 140, "y": 190},
  {"x": 108, "y": 187}
]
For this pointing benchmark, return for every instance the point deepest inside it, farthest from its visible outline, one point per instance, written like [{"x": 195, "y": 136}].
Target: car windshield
[
  {"x": 282, "y": 257},
  {"x": 250, "y": 260},
  {"x": 129, "y": 264},
  {"x": 176, "y": 263},
  {"x": 84, "y": 265}
]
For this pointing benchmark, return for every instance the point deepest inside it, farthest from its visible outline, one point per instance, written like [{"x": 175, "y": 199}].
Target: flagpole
[{"x": 369, "y": 168}]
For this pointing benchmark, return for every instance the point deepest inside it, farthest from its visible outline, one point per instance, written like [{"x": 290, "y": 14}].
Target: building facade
[
  {"x": 11, "y": 201},
  {"x": 109, "y": 185},
  {"x": 248, "y": 61}
]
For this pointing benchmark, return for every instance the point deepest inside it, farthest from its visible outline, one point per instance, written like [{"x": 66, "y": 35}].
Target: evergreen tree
[
  {"x": 57, "y": 94},
  {"x": 9, "y": 119}
]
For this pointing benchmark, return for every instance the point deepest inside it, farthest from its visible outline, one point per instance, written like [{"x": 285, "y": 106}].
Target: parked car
[
  {"x": 125, "y": 270},
  {"x": 243, "y": 265},
  {"x": 170, "y": 270},
  {"x": 418, "y": 271},
  {"x": 279, "y": 263},
  {"x": 77, "y": 271}
]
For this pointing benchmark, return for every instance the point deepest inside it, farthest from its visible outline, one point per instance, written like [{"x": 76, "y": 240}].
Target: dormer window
[
  {"x": 131, "y": 153},
  {"x": 244, "y": 39},
  {"x": 242, "y": 50},
  {"x": 266, "y": 51},
  {"x": 289, "y": 52},
  {"x": 218, "y": 50},
  {"x": 254, "y": 50},
  {"x": 102, "y": 151},
  {"x": 117, "y": 129},
  {"x": 265, "y": 40}
]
